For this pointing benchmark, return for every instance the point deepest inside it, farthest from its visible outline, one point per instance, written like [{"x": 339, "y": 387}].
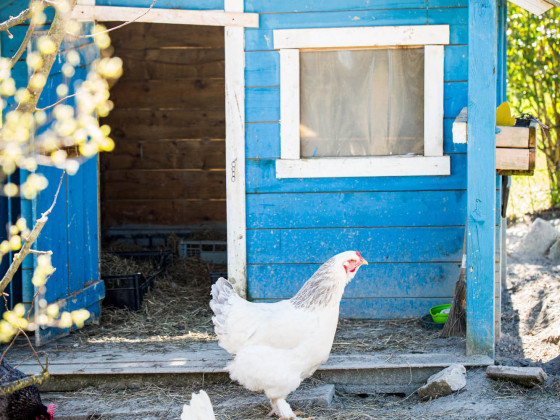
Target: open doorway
[{"x": 163, "y": 188}]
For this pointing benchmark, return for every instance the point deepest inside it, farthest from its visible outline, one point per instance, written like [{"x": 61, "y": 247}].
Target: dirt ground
[{"x": 530, "y": 331}]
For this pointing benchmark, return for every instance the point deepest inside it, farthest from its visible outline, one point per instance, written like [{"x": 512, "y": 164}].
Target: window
[{"x": 362, "y": 101}]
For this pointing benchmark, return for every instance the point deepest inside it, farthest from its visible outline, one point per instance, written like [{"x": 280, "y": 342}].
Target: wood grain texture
[
  {"x": 163, "y": 185},
  {"x": 168, "y": 126},
  {"x": 374, "y": 280},
  {"x": 296, "y": 246},
  {"x": 149, "y": 124},
  {"x": 382, "y": 209},
  {"x": 261, "y": 178},
  {"x": 170, "y": 154},
  {"x": 163, "y": 212},
  {"x": 192, "y": 93},
  {"x": 481, "y": 174}
]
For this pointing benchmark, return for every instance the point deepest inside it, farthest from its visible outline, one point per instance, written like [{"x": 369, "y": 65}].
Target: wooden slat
[
  {"x": 373, "y": 280},
  {"x": 141, "y": 124},
  {"x": 361, "y": 37},
  {"x": 172, "y": 63},
  {"x": 141, "y": 36},
  {"x": 296, "y": 246},
  {"x": 355, "y": 209},
  {"x": 481, "y": 175},
  {"x": 162, "y": 185},
  {"x": 173, "y": 16},
  {"x": 514, "y": 137},
  {"x": 513, "y": 159},
  {"x": 195, "y": 93},
  {"x": 164, "y": 212},
  {"x": 166, "y": 154}
]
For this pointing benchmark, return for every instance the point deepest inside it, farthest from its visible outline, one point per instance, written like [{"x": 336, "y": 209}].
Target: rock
[
  {"x": 528, "y": 376},
  {"x": 443, "y": 383},
  {"x": 538, "y": 240},
  {"x": 554, "y": 252}
]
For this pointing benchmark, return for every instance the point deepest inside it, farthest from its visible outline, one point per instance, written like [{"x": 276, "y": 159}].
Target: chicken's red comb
[
  {"x": 51, "y": 409},
  {"x": 359, "y": 255}
]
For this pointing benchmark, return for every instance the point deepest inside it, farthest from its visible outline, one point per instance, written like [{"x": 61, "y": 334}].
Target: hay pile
[{"x": 176, "y": 308}]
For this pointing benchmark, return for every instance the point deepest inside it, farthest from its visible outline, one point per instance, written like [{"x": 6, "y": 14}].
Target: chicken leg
[{"x": 282, "y": 409}]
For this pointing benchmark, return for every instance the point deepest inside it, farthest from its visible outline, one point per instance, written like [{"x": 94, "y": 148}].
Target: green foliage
[{"x": 534, "y": 79}]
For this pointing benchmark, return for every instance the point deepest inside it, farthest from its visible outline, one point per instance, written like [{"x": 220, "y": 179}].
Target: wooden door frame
[{"x": 234, "y": 20}]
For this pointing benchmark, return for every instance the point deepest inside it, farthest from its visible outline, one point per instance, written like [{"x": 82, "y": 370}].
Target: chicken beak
[{"x": 363, "y": 262}]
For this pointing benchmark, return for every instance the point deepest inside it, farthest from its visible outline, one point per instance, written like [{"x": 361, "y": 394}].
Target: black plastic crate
[{"x": 126, "y": 291}]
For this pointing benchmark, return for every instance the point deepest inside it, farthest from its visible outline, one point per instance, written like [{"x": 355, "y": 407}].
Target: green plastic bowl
[{"x": 436, "y": 314}]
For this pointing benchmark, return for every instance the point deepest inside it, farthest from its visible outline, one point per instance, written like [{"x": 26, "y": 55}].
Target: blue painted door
[{"x": 72, "y": 234}]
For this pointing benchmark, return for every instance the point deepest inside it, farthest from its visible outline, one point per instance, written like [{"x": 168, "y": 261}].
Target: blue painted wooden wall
[
  {"x": 410, "y": 229},
  {"x": 72, "y": 232}
]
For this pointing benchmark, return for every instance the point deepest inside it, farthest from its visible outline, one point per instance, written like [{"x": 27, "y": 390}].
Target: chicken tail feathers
[{"x": 220, "y": 304}]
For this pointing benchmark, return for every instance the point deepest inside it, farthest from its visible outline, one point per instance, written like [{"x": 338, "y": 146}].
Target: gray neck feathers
[{"x": 322, "y": 289}]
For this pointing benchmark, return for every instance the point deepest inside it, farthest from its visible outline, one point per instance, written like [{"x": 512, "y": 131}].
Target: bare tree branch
[
  {"x": 56, "y": 34},
  {"x": 56, "y": 103},
  {"x": 23, "y": 46},
  {"x": 25, "y": 249},
  {"x": 15, "y": 20}
]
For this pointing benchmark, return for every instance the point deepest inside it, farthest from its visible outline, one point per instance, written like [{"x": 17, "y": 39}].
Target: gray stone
[
  {"x": 554, "y": 252},
  {"x": 527, "y": 376},
  {"x": 539, "y": 239},
  {"x": 444, "y": 383}
]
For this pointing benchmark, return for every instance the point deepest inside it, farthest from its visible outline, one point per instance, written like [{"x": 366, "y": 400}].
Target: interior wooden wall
[{"x": 168, "y": 166}]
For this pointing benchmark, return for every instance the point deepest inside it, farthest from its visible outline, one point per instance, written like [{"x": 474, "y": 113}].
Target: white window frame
[{"x": 290, "y": 42}]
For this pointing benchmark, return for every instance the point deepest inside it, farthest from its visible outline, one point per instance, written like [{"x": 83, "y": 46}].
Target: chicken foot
[{"x": 282, "y": 409}]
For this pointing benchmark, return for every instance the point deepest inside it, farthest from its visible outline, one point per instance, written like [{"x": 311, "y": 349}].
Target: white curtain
[{"x": 362, "y": 102}]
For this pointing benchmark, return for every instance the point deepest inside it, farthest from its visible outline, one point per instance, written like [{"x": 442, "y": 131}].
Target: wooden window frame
[{"x": 290, "y": 42}]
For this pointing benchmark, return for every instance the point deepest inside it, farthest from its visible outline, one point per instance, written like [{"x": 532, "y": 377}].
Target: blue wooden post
[{"x": 481, "y": 174}]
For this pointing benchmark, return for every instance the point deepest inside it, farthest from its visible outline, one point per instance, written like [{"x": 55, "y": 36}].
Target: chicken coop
[{"x": 304, "y": 128}]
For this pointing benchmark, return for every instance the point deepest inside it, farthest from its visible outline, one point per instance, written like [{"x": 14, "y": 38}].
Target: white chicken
[
  {"x": 277, "y": 345},
  {"x": 200, "y": 408}
]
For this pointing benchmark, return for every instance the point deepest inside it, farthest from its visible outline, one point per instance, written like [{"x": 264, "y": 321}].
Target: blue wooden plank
[
  {"x": 261, "y": 178},
  {"x": 454, "y": 98},
  {"x": 456, "y": 63},
  {"x": 262, "y": 104},
  {"x": 356, "y": 209},
  {"x": 384, "y": 308},
  {"x": 262, "y": 68},
  {"x": 481, "y": 169},
  {"x": 79, "y": 299},
  {"x": 292, "y": 6},
  {"x": 258, "y": 39},
  {"x": 447, "y": 3},
  {"x": 168, "y": 4},
  {"x": 83, "y": 227},
  {"x": 294, "y": 246},
  {"x": 343, "y": 19},
  {"x": 456, "y": 18},
  {"x": 408, "y": 280},
  {"x": 262, "y": 140}
]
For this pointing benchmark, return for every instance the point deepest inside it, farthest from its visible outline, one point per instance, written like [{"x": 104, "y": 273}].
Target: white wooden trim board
[
  {"x": 235, "y": 151},
  {"x": 90, "y": 13},
  {"x": 433, "y": 100},
  {"x": 361, "y": 37},
  {"x": 363, "y": 167},
  {"x": 289, "y": 104}
]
